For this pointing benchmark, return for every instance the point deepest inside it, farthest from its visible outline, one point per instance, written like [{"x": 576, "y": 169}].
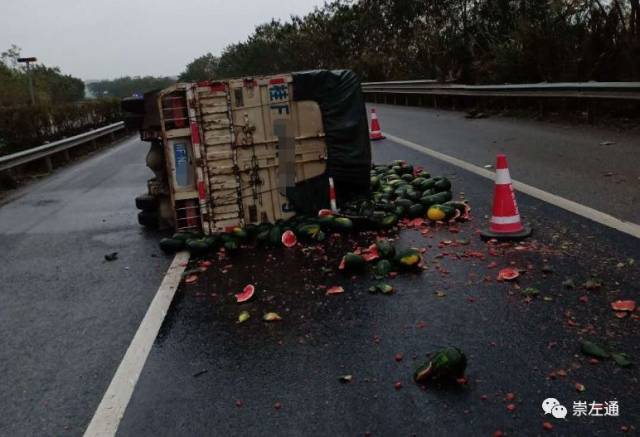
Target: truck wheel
[
  {"x": 147, "y": 202},
  {"x": 149, "y": 219}
]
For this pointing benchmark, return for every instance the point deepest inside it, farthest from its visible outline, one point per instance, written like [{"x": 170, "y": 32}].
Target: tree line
[
  {"x": 468, "y": 41},
  {"x": 127, "y": 86}
]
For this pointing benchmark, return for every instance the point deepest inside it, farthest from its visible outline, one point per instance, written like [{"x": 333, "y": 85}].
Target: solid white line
[
  {"x": 109, "y": 413},
  {"x": 569, "y": 205}
]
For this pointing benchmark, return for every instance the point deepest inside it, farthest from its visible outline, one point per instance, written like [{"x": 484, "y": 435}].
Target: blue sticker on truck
[{"x": 182, "y": 164}]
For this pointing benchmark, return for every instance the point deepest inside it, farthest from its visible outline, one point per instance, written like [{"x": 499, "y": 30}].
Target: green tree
[{"x": 203, "y": 68}]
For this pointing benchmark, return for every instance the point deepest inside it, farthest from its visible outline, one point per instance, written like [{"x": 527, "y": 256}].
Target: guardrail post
[
  {"x": 591, "y": 111},
  {"x": 48, "y": 162},
  {"x": 66, "y": 155},
  {"x": 435, "y": 102}
]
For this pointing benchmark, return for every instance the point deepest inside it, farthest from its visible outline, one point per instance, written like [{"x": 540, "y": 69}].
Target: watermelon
[
  {"x": 408, "y": 258},
  {"x": 171, "y": 245},
  {"x": 342, "y": 224},
  {"x": 275, "y": 235},
  {"x": 326, "y": 221},
  {"x": 447, "y": 364},
  {"x": 213, "y": 241},
  {"x": 197, "y": 247},
  {"x": 231, "y": 246},
  {"x": 246, "y": 293},
  {"x": 382, "y": 268},
  {"x": 416, "y": 210},
  {"x": 400, "y": 211},
  {"x": 240, "y": 234},
  {"x": 325, "y": 212},
  {"x": 405, "y": 203},
  {"x": 385, "y": 248},
  {"x": 352, "y": 262},
  {"x": 438, "y": 213},
  {"x": 412, "y": 194},
  {"x": 401, "y": 190},
  {"x": 395, "y": 183},
  {"x": 508, "y": 274},
  {"x": 389, "y": 221},
  {"x": 426, "y": 201},
  {"x": 442, "y": 184},
  {"x": 441, "y": 197},
  {"x": 416, "y": 182},
  {"x": 289, "y": 239},
  {"x": 375, "y": 182},
  {"x": 308, "y": 231},
  {"x": 381, "y": 288},
  {"x": 407, "y": 169},
  {"x": 183, "y": 236},
  {"x": 407, "y": 177},
  {"x": 263, "y": 236}
]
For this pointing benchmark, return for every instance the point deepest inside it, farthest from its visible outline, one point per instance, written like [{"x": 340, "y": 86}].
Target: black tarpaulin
[{"x": 344, "y": 118}]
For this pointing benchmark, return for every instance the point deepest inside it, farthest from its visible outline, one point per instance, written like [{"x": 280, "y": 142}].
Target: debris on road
[
  {"x": 345, "y": 379},
  {"x": 271, "y": 317},
  {"x": 244, "y": 316},
  {"x": 246, "y": 294},
  {"x": 336, "y": 289},
  {"x": 449, "y": 363},
  {"x": 111, "y": 256},
  {"x": 508, "y": 274}
]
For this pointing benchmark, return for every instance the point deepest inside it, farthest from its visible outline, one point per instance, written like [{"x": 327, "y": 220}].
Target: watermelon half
[
  {"x": 508, "y": 274},
  {"x": 246, "y": 294},
  {"x": 289, "y": 239},
  {"x": 324, "y": 212}
]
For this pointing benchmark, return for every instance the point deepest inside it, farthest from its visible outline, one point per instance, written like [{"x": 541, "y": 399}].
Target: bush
[{"x": 24, "y": 127}]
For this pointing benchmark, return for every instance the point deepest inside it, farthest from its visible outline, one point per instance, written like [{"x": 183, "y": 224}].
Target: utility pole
[{"x": 28, "y": 61}]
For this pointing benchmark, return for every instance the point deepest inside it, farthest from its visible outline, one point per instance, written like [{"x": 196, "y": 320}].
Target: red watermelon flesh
[
  {"x": 289, "y": 239},
  {"x": 246, "y": 294}
]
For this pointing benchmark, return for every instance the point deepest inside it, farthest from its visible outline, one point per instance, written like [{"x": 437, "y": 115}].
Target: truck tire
[
  {"x": 147, "y": 202},
  {"x": 149, "y": 219}
]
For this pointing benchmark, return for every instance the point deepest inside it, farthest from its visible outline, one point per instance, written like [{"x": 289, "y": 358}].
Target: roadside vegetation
[
  {"x": 451, "y": 40},
  {"x": 60, "y": 109}
]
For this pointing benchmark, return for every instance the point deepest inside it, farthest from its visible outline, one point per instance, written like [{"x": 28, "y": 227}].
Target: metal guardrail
[
  {"x": 589, "y": 90},
  {"x": 47, "y": 150}
]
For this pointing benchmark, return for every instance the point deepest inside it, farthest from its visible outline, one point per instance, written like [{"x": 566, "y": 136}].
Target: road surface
[
  {"x": 571, "y": 161},
  {"x": 208, "y": 375},
  {"x": 66, "y": 314}
]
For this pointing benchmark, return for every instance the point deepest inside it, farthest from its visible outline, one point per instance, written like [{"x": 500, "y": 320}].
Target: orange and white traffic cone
[
  {"x": 375, "y": 133},
  {"x": 505, "y": 221}
]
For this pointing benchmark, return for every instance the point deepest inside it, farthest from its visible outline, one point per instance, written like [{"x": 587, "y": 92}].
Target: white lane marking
[
  {"x": 109, "y": 413},
  {"x": 569, "y": 205}
]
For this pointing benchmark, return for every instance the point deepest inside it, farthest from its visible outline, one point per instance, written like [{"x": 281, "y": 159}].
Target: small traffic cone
[
  {"x": 375, "y": 133},
  {"x": 505, "y": 220}
]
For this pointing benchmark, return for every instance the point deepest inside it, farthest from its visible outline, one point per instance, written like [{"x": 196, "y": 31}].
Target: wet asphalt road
[
  {"x": 207, "y": 375},
  {"x": 67, "y": 315},
  {"x": 566, "y": 160}
]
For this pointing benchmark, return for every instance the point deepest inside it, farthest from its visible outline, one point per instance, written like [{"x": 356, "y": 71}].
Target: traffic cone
[
  {"x": 375, "y": 133},
  {"x": 505, "y": 220}
]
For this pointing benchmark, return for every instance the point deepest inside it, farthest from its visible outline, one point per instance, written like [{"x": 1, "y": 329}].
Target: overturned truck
[{"x": 251, "y": 150}]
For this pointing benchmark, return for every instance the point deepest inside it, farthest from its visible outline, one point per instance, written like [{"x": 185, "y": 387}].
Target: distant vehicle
[{"x": 250, "y": 150}]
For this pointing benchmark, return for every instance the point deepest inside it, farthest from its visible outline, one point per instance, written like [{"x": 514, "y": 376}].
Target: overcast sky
[{"x": 104, "y": 39}]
